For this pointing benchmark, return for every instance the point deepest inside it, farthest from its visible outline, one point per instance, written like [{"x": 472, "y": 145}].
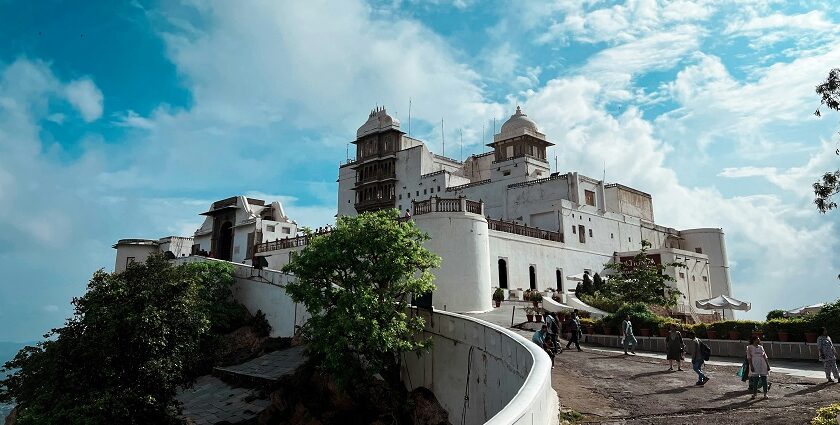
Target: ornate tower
[
  {"x": 377, "y": 143},
  {"x": 519, "y": 137}
]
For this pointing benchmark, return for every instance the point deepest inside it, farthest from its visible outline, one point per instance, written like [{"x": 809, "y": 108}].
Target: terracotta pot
[
  {"x": 663, "y": 332},
  {"x": 498, "y": 303},
  {"x": 810, "y": 337},
  {"x": 530, "y": 317},
  {"x": 538, "y": 318},
  {"x": 590, "y": 329},
  {"x": 784, "y": 336},
  {"x": 644, "y": 332},
  {"x": 536, "y": 303},
  {"x": 734, "y": 335},
  {"x": 607, "y": 331},
  {"x": 711, "y": 334}
]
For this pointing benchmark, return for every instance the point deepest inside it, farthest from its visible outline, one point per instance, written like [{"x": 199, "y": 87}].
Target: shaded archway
[
  {"x": 532, "y": 277},
  {"x": 503, "y": 283},
  {"x": 225, "y": 241}
]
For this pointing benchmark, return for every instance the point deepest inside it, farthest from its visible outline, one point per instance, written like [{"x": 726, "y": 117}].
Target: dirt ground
[{"x": 609, "y": 388}]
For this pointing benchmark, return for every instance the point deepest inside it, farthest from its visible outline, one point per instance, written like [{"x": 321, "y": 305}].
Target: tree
[
  {"x": 587, "y": 286},
  {"x": 642, "y": 280},
  {"x": 597, "y": 282},
  {"x": 122, "y": 356},
  {"x": 355, "y": 282},
  {"x": 829, "y": 185},
  {"x": 775, "y": 314}
]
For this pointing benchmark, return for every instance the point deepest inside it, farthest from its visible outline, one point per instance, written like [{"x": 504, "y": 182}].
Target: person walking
[
  {"x": 674, "y": 347},
  {"x": 628, "y": 340},
  {"x": 828, "y": 355},
  {"x": 697, "y": 360},
  {"x": 574, "y": 329},
  {"x": 540, "y": 338},
  {"x": 553, "y": 330},
  {"x": 759, "y": 367}
]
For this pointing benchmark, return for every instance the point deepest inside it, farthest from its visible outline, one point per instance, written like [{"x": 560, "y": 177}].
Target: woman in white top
[{"x": 759, "y": 367}]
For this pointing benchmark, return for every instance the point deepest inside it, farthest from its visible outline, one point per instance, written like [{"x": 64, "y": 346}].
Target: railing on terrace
[
  {"x": 464, "y": 186},
  {"x": 522, "y": 155},
  {"x": 521, "y": 229},
  {"x": 538, "y": 181},
  {"x": 459, "y": 204},
  {"x": 425, "y": 176},
  {"x": 293, "y": 242}
]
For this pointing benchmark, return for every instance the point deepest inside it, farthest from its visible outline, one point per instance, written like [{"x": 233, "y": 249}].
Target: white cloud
[
  {"x": 86, "y": 98},
  {"x": 749, "y": 171}
]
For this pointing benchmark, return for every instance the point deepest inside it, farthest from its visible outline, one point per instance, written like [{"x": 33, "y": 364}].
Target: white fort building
[{"x": 497, "y": 219}]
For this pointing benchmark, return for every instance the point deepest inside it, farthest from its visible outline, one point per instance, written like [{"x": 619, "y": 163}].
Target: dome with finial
[
  {"x": 517, "y": 121},
  {"x": 378, "y": 120}
]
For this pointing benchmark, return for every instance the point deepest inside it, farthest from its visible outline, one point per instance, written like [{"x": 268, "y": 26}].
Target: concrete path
[
  {"x": 211, "y": 400},
  {"x": 502, "y": 316},
  {"x": 269, "y": 367}
]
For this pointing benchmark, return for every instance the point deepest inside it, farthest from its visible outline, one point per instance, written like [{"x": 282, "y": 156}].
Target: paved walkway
[
  {"x": 269, "y": 367},
  {"x": 502, "y": 316},
  {"x": 211, "y": 400}
]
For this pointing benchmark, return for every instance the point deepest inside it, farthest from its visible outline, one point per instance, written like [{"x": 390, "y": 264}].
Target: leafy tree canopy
[
  {"x": 829, "y": 184},
  {"x": 355, "y": 282},
  {"x": 642, "y": 280},
  {"x": 132, "y": 341}
]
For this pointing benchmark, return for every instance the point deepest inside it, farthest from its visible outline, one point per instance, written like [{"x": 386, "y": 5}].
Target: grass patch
[{"x": 570, "y": 416}]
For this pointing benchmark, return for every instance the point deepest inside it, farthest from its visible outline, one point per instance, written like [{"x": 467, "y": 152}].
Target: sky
[{"x": 126, "y": 119}]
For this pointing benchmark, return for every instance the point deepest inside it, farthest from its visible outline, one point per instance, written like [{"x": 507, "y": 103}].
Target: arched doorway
[
  {"x": 560, "y": 280},
  {"x": 226, "y": 241},
  {"x": 503, "y": 273},
  {"x": 532, "y": 277}
]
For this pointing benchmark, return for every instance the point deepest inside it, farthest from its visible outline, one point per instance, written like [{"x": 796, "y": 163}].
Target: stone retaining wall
[{"x": 720, "y": 347}]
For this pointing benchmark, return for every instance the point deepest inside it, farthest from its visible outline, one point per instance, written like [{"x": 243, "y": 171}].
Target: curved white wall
[
  {"x": 506, "y": 379},
  {"x": 462, "y": 241}
]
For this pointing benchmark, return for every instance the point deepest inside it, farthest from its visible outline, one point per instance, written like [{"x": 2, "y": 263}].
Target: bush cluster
[
  {"x": 796, "y": 327},
  {"x": 826, "y": 415}
]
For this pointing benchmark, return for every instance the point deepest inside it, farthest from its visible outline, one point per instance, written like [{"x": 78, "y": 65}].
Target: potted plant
[
  {"x": 810, "y": 337},
  {"x": 526, "y": 296},
  {"x": 538, "y": 315},
  {"x": 536, "y": 298},
  {"x": 784, "y": 336},
  {"x": 734, "y": 334},
  {"x": 607, "y": 330},
  {"x": 711, "y": 333},
  {"x": 644, "y": 332},
  {"x": 498, "y": 296},
  {"x": 529, "y": 313}
]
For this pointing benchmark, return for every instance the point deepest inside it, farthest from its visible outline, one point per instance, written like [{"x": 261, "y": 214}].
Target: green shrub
[
  {"x": 640, "y": 316},
  {"x": 775, "y": 314},
  {"x": 259, "y": 324},
  {"x": 827, "y": 415},
  {"x": 601, "y": 302},
  {"x": 536, "y": 296},
  {"x": 498, "y": 295},
  {"x": 795, "y": 326},
  {"x": 744, "y": 328}
]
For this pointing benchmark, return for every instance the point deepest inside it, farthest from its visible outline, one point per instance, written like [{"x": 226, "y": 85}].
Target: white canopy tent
[
  {"x": 723, "y": 302},
  {"x": 810, "y": 309}
]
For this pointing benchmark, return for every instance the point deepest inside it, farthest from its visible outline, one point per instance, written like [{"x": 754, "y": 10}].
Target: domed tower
[
  {"x": 519, "y": 137},
  {"x": 377, "y": 142}
]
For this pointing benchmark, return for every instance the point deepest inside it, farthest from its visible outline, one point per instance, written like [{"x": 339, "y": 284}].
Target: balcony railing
[
  {"x": 521, "y": 229},
  {"x": 459, "y": 204},
  {"x": 293, "y": 242}
]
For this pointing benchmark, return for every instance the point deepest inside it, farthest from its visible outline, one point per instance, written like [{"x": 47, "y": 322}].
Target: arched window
[
  {"x": 560, "y": 280},
  {"x": 503, "y": 273},
  {"x": 532, "y": 277}
]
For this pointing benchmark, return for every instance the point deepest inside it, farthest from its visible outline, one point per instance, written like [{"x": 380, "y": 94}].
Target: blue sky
[{"x": 125, "y": 119}]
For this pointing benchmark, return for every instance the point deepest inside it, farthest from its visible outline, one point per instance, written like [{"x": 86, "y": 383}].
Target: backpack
[{"x": 705, "y": 351}]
